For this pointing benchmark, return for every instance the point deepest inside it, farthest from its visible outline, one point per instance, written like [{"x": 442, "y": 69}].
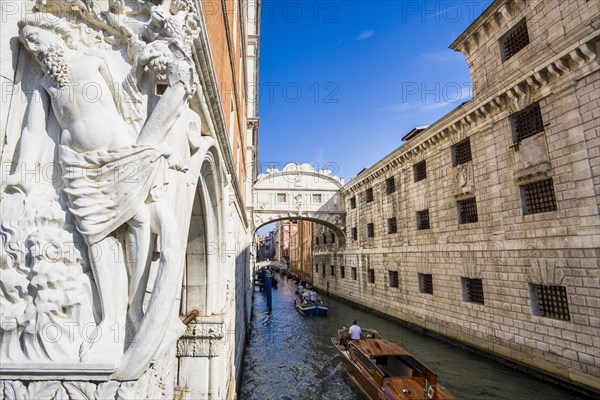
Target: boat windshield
[{"x": 400, "y": 366}]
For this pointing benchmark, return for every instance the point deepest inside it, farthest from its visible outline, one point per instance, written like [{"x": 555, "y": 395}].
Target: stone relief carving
[
  {"x": 77, "y": 248},
  {"x": 464, "y": 179}
]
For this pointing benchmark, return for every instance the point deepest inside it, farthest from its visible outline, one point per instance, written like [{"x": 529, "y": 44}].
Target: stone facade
[
  {"x": 127, "y": 127},
  {"x": 484, "y": 227},
  {"x": 301, "y": 251}
]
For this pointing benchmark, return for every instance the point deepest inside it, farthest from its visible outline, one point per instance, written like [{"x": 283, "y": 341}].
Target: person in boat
[
  {"x": 354, "y": 331},
  {"x": 313, "y": 296}
]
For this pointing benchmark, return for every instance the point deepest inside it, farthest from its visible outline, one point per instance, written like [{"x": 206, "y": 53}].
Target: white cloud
[{"x": 365, "y": 35}]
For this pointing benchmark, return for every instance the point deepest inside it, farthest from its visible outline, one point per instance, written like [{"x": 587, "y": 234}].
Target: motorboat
[
  {"x": 308, "y": 302},
  {"x": 385, "y": 370}
]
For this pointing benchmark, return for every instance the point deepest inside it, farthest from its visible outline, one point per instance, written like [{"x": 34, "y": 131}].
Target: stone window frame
[
  {"x": 467, "y": 211},
  {"x": 282, "y": 198},
  {"x": 549, "y": 301},
  {"x": 354, "y": 273},
  {"x": 370, "y": 275},
  {"x": 369, "y": 196},
  {"x": 316, "y": 240},
  {"x": 514, "y": 40},
  {"x": 332, "y": 237},
  {"x": 420, "y": 171},
  {"x": 392, "y": 224},
  {"x": 423, "y": 221},
  {"x": 538, "y": 197},
  {"x": 323, "y": 271},
  {"x": 527, "y": 122},
  {"x": 461, "y": 152},
  {"x": 352, "y": 202},
  {"x": 370, "y": 230},
  {"x": 472, "y": 290},
  {"x": 317, "y": 198},
  {"x": 354, "y": 233},
  {"x": 390, "y": 185},
  {"x": 332, "y": 270},
  {"x": 324, "y": 238},
  {"x": 316, "y": 268},
  {"x": 342, "y": 272},
  {"x": 393, "y": 280},
  {"x": 425, "y": 283}
]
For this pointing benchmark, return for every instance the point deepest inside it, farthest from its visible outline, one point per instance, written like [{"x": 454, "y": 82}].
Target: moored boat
[
  {"x": 310, "y": 303},
  {"x": 384, "y": 370}
]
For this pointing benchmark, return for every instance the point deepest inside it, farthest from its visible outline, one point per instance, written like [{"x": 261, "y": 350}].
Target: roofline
[{"x": 475, "y": 25}]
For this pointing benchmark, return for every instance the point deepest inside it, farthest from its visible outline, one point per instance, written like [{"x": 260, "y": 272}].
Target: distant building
[
  {"x": 301, "y": 251},
  {"x": 484, "y": 227}
]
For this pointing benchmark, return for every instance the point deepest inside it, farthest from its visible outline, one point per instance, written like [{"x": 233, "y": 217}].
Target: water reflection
[{"x": 290, "y": 357}]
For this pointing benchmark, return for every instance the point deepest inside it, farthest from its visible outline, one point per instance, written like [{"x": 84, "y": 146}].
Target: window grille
[
  {"x": 354, "y": 233},
  {"x": 392, "y": 225},
  {"x": 281, "y": 198},
  {"x": 354, "y": 274},
  {"x": 425, "y": 283},
  {"x": 332, "y": 270},
  {"x": 370, "y": 230},
  {"x": 317, "y": 198},
  {"x": 473, "y": 290},
  {"x": 369, "y": 195},
  {"x": 515, "y": 40},
  {"x": 420, "y": 171},
  {"x": 461, "y": 152},
  {"x": 538, "y": 197},
  {"x": 371, "y": 275},
  {"x": 390, "y": 185},
  {"x": 423, "y": 219},
  {"x": 551, "y": 302},
  {"x": 342, "y": 272},
  {"x": 393, "y": 278},
  {"x": 527, "y": 122},
  {"x": 467, "y": 211},
  {"x": 353, "y": 202}
]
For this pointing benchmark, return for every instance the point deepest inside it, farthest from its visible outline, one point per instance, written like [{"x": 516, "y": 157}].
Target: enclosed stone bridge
[{"x": 299, "y": 192}]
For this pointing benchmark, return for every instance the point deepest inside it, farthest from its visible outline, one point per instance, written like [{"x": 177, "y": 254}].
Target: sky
[{"x": 342, "y": 81}]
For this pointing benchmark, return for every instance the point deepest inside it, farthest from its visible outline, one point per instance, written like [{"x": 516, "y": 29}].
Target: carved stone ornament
[
  {"x": 463, "y": 179},
  {"x": 77, "y": 242}
]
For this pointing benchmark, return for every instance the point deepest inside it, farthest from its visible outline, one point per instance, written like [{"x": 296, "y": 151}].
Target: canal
[{"x": 290, "y": 357}]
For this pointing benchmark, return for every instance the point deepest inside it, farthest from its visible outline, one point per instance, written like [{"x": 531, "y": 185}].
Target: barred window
[
  {"x": 423, "y": 219},
  {"x": 425, "y": 283},
  {"x": 332, "y": 236},
  {"x": 371, "y": 230},
  {"x": 390, "y": 185},
  {"x": 461, "y": 152},
  {"x": 550, "y": 301},
  {"x": 527, "y": 122},
  {"x": 514, "y": 41},
  {"x": 392, "y": 225},
  {"x": 332, "y": 270},
  {"x": 354, "y": 233},
  {"x": 467, "y": 211},
  {"x": 354, "y": 274},
  {"x": 538, "y": 197},
  {"x": 317, "y": 198},
  {"x": 281, "y": 197},
  {"x": 353, "y": 202},
  {"x": 369, "y": 195},
  {"x": 472, "y": 290},
  {"x": 420, "y": 171},
  {"x": 393, "y": 278},
  {"x": 342, "y": 272},
  {"x": 371, "y": 275}
]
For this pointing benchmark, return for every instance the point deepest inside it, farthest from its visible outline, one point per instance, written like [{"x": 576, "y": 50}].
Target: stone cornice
[{"x": 472, "y": 114}]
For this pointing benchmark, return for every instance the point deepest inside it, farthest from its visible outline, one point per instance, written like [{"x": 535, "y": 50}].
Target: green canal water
[{"x": 290, "y": 357}]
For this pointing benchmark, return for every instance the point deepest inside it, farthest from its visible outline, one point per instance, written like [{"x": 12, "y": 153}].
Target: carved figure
[{"x": 98, "y": 152}]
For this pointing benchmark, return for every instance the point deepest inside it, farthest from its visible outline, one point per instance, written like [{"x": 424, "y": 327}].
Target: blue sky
[{"x": 342, "y": 81}]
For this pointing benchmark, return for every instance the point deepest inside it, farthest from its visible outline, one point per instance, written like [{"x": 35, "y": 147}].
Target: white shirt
[{"x": 354, "y": 332}]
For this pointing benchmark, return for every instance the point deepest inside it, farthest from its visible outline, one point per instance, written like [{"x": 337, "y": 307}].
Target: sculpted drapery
[{"x": 109, "y": 110}]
